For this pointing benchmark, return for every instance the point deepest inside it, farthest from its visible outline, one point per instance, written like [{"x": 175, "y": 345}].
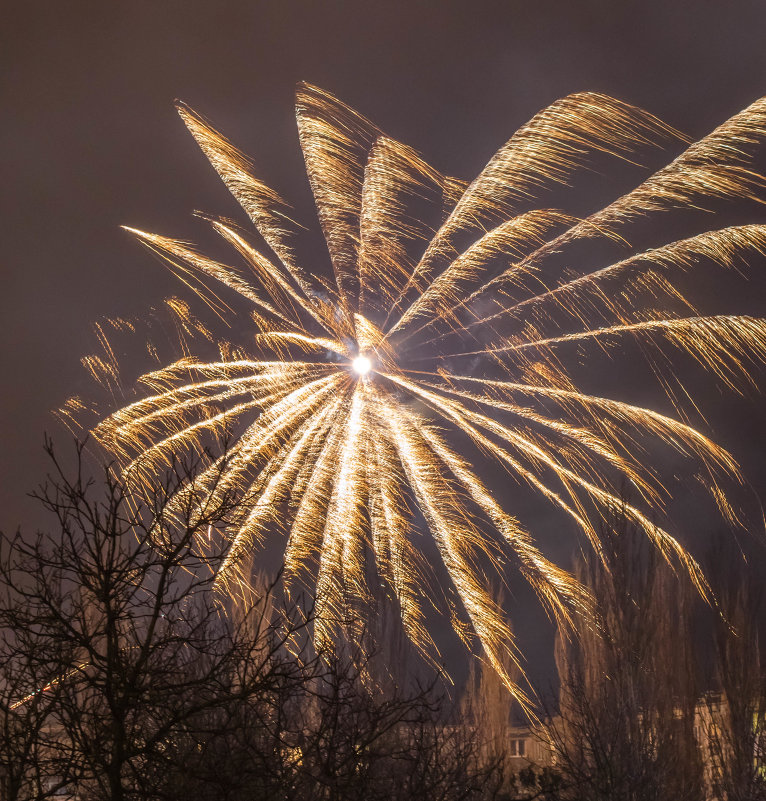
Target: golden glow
[{"x": 470, "y": 342}]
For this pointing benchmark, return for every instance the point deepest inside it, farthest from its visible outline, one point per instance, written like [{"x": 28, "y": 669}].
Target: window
[{"x": 518, "y": 748}]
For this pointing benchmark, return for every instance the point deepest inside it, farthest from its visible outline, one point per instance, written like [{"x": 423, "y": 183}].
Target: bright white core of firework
[{"x": 362, "y": 365}]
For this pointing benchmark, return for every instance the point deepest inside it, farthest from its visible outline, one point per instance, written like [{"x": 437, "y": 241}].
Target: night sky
[{"x": 90, "y": 141}]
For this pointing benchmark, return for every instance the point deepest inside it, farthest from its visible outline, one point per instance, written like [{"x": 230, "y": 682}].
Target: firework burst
[{"x": 354, "y": 410}]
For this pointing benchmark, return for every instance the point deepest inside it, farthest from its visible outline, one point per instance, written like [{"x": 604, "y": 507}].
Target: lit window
[{"x": 518, "y": 748}]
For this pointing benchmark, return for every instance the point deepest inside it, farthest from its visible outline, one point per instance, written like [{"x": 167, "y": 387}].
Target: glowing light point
[{"x": 362, "y": 365}]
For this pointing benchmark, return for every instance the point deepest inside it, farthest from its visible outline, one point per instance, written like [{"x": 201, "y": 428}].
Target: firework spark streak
[{"x": 354, "y": 409}]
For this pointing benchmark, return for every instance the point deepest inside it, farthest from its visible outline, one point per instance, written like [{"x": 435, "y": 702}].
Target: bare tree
[
  {"x": 124, "y": 676},
  {"x": 628, "y": 687},
  {"x": 114, "y": 615},
  {"x": 731, "y": 719}
]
